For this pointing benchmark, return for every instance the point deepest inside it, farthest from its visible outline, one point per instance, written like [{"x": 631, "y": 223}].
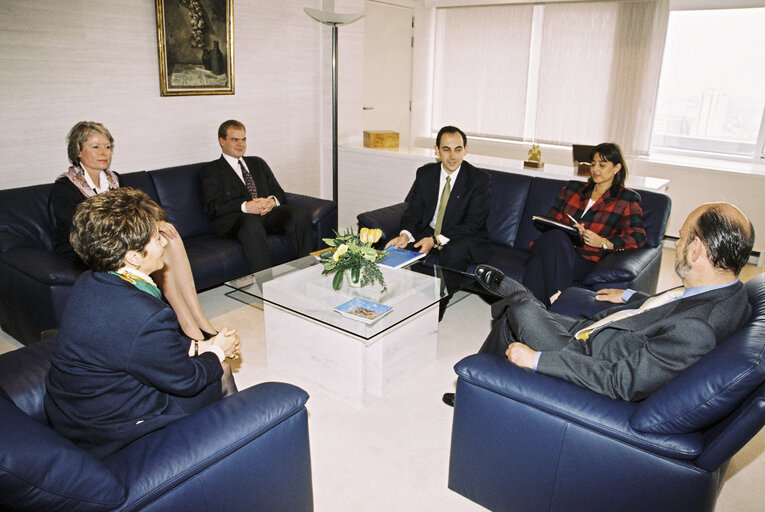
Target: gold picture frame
[{"x": 195, "y": 40}]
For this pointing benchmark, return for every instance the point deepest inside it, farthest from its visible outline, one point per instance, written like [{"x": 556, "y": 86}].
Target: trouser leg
[
  {"x": 553, "y": 266},
  {"x": 521, "y": 317},
  {"x": 253, "y": 234}
]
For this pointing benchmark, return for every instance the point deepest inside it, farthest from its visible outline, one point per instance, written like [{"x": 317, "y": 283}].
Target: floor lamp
[{"x": 334, "y": 20}]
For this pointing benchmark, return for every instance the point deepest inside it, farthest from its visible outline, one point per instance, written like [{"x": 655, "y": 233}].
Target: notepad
[{"x": 397, "y": 258}]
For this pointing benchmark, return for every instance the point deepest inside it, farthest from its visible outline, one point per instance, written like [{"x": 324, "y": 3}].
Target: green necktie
[{"x": 442, "y": 206}]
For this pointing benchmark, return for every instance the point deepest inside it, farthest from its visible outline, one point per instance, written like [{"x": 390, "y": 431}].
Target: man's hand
[
  {"x": 260, "y": 205},
  {"x": 610, "y": 295},
  {"x": 521, "y": 354},
  {"x": 400, "y": 242},
  {"x": 425, "y": 245}
]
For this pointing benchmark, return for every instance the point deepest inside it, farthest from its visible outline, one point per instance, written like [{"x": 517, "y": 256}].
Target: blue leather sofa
[
  {"x": 515, "y": 198},
  {"x": 36, "y": 282},
  {"x": 523, "y": 441},
  {"x": 247, "y": 452}
]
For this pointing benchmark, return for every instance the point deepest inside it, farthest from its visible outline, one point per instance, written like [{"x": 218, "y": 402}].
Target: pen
[{"x": 572, "y": 219}]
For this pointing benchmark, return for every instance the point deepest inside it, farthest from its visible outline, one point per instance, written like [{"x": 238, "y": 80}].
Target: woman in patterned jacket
[{"x": 607, "y": 215}]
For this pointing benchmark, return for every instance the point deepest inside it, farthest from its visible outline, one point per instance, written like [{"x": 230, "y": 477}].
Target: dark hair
[
  {"x": 79, "y": 133},
  {"x": 729, "y": 237},
  {"x": 611, "y": 152},
  {"x": 450, "y": 129},
  {"x": 231, "y": 123},
  {"x": 108, "y": 225}
]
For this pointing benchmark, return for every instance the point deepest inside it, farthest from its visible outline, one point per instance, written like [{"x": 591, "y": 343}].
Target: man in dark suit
[
  {"x": 447, "y": 206},
  {"x": 244, "y": 200},
  {"x": 651, "y": 339}
]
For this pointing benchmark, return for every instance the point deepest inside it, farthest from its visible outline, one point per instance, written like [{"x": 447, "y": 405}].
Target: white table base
[{"x": 346, "y": 366}]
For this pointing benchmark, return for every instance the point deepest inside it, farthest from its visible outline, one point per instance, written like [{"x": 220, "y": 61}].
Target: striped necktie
[
  {"x": 248, "y": 180},
  {"x": 442, "y": 206},
  {"x": 650, "y": 303}
]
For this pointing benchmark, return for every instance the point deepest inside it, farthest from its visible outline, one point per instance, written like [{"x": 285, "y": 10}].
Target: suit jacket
[
  {"x": 223, "y": 192},
  {"x": 120, "y": 368},
  {"x": 631, "y": 358},
  {"x": 466, "y": 211}
]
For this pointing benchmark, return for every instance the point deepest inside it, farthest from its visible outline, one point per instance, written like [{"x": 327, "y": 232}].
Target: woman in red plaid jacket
[{"x": 608, "y": 216}]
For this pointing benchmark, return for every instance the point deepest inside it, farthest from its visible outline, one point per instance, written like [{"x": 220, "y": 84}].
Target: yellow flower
[
  {"x": 342, "y": 249},
  {"x": 370, "y": 236}
]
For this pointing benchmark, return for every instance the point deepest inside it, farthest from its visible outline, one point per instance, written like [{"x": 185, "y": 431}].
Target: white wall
[{"x": 63, "y": 62}]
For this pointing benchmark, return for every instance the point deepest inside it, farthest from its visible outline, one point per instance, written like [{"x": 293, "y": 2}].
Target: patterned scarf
[
  {"x": 144, "y": 283},
  {"x": 76, "y": 174}
]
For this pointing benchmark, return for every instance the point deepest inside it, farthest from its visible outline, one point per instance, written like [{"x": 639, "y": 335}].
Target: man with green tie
[{"x": 447, "y": 207}]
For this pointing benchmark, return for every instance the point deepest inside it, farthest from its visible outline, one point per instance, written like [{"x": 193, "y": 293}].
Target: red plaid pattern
[{"x": 619, "y": 218}]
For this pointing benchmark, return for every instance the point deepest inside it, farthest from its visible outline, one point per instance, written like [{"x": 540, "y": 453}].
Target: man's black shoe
[
  {"x": 448, "y": 399},
  {"x": 490, "y": 278},
  {"x": 494, "y": 281}
]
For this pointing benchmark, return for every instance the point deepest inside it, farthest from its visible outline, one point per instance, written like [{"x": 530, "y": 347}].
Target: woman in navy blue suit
[{"x": 121, "y": 367}]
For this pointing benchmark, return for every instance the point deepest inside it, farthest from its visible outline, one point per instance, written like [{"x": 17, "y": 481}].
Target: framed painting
[{"x": 195, "y": 40}]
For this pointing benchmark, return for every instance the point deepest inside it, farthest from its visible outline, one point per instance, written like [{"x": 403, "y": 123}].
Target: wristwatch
[
  {"x": 604, "y": 244},
  {"x": 436, "y": 243}
]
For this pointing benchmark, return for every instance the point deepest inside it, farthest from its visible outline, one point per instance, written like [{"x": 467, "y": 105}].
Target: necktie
[
  {"x": 650, "y": 303},
  {"x": 442, "y": 206},
  {"x": 248, "y": 180}
]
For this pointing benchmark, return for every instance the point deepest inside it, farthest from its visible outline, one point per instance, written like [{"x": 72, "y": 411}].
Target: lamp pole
[{"x": 334, "y": 20}]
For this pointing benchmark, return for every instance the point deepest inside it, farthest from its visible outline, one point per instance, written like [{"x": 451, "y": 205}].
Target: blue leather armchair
[
  {"x": 247, "y": 452},
  {"x": 523, "y": 441},
  {"x": 515, "y": 198},
  {"x": 37, "y": 282}
]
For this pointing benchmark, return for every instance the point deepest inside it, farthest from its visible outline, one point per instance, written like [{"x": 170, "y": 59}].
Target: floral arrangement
[{"x": 354, "y": 253}]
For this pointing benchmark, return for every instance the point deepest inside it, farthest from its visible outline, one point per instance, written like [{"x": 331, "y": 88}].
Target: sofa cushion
[
  {"x": 180, "y": 194},
  {"x": 716, "y": 384},
  {"x": 24, "y": 218},
  {"x": 541, "y": 197},
  {"x": 66, "y": 478},
  {"x": 508, "y": 197}
]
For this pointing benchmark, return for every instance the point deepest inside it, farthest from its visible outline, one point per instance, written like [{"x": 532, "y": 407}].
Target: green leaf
[{"x": 338, "y": 280}]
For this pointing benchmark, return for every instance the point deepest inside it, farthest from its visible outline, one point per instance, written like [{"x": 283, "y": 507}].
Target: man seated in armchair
[{"x": 629, "y": 351}]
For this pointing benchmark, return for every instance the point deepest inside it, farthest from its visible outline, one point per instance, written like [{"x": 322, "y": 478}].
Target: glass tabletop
[{"x": 300, "y": 287}]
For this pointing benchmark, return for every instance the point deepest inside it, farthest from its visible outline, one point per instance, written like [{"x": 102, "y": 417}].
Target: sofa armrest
[
  {"x": 569, "y": 402},
  {"x": 323, "y": 214},
  {"x": 387, "y": 219},
  {"x": 249, "y": 442},
  {"x": 621, "y": 266}
]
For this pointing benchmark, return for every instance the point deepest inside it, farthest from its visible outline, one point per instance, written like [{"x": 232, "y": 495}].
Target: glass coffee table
[{"x": 348, "y": 356}]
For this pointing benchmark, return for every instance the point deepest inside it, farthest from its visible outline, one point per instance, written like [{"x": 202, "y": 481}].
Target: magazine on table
[
  {"x": 543, "y": 224},
  {"x": 397, "y": 258}
]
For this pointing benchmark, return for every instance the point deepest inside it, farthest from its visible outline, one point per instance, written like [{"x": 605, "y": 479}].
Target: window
[
  {"x": 559, "y": 73},
  {"x": 712, "y": 88}
]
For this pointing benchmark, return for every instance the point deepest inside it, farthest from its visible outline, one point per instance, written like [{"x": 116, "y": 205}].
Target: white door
[{"x": 387, "y": 68}]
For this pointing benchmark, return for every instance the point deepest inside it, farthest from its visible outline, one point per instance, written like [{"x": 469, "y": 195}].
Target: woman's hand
[
  {"x": 228, "y": 341},
  {"x": 167, "y": 230},
  {"x": 593, "y": 239}
]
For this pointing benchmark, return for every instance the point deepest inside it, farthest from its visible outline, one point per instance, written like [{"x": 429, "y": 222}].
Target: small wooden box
[{"x": 380, "y": 139}]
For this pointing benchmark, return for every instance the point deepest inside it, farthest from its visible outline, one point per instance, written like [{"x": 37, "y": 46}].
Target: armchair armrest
[
  {"x": 241, "y": 430},
  {"x": 323, "y": 214},
  {"x": 387, "y": 219},
  {"x": 569, "y": 402},
  {"x": 621, "y": 266}
]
